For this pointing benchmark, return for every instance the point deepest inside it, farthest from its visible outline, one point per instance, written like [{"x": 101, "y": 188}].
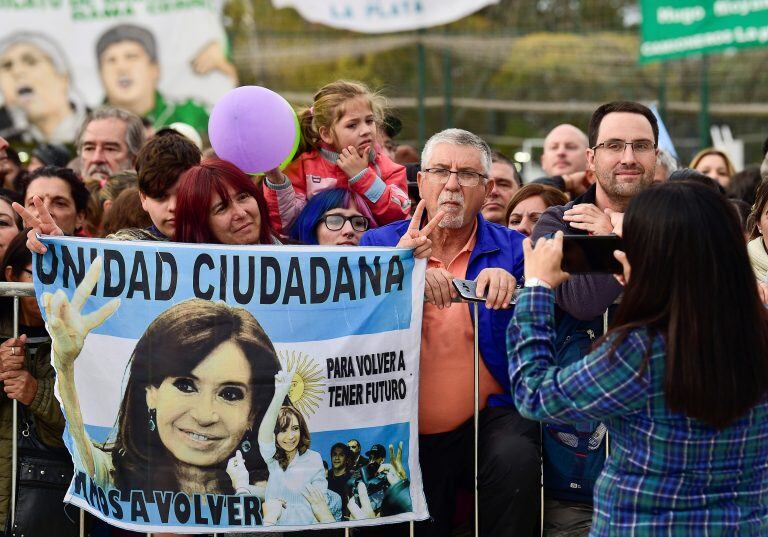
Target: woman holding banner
[
  {"x": 219, "y": 204},
  {"x": 680, "y": 380},
  {"x": 200, "y": 378},
  {"x": 335, "y": 217}
]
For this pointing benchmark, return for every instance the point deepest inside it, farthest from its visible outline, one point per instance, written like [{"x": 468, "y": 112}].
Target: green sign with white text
[{"x": 675, "y": 28}]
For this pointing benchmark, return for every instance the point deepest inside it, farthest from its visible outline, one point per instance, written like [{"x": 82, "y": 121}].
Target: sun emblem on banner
[{"x": 307, "y": 386}]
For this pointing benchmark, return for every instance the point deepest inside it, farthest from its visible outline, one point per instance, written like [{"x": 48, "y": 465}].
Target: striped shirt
[{"x": 667, "y": 474}]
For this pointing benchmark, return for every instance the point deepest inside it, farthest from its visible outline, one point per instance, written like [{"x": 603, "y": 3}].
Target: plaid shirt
[{"x": 666, "y": 474}]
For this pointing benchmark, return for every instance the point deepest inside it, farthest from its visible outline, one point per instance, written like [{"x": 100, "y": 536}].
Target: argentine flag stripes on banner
[{"x": 218, "y": 388}]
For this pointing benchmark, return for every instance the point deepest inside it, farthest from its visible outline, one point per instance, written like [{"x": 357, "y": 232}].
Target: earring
[
  {"x": 152, "y": 418},
  {"x": 245, "y": 445}
]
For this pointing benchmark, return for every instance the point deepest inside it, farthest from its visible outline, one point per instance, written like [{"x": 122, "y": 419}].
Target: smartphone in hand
[
  {"x": 585, "y": 254},
  {"x": 467, "y": 290}
]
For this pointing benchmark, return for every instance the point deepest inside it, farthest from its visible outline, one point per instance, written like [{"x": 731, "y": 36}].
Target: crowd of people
[{"x": 655, "y": 426}]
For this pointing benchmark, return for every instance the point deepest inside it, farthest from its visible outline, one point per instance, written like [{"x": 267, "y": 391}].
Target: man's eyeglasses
[
  {"x": 465, "y": 177},
  {"x": 334, "y": 222},
  {"x": 618, "y": 146}
]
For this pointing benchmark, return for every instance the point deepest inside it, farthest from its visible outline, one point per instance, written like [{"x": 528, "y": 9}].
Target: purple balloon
[{"x": 254, "y": 128}]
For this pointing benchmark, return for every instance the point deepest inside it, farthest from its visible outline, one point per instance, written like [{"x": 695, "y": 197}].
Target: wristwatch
[{"x": 536, "y": 282}]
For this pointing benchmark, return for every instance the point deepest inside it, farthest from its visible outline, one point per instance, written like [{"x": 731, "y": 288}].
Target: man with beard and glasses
[
  {"x": 108, "y": 142},
  {"x": 455, "y": 180},
  {"x": 622, "y": 156}
]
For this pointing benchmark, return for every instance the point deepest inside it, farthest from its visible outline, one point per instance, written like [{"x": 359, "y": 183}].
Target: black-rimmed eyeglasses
[{"x": 334, "y": 222}]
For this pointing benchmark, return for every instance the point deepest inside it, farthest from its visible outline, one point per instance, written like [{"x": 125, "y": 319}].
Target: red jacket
[{"x": 382, "y": 185}]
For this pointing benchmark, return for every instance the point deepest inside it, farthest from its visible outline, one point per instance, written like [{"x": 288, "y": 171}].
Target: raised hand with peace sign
[
  {"x": 417, "y": 237},
  {"x": 42, "y": 224}
]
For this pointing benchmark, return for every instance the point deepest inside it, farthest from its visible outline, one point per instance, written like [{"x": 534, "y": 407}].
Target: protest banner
[
  {"x": 675, "y": 28},
  {"x": 382, "y": 16},
  {"x": 165, "y": 60},
  {"x": 204, "y": 388}
]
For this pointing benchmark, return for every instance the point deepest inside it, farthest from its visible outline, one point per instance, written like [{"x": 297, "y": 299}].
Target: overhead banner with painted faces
[
  {"x": 383, "y": 16},
  {"x": 676, "y": 28},
  {"x": 233, "y": 389},
  {"x": 165, "y": 60}
]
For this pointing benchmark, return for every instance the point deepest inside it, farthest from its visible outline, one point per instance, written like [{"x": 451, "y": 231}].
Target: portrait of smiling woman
[
  {"x": 297, "y": 490},
  {"x": 184, "y": 416},
  {"x": 284, "y": 441}
]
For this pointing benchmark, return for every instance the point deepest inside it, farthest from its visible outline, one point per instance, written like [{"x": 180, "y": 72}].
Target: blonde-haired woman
[{"x": 714, "y": 163}]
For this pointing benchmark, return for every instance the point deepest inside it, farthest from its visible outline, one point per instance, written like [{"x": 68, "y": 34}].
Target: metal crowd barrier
[
  {"x": 17, "y": 290},
  {"x": 475, "y": 306}
]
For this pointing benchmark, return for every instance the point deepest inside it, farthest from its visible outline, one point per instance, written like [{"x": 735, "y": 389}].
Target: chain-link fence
[{"x": 509, "y": 72}]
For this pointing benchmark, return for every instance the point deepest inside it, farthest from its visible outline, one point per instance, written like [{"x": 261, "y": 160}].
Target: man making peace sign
[{"x": 455, "y": 181}]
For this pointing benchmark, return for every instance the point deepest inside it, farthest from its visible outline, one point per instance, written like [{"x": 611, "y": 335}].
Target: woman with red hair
[{"x": 218, "y": 203}]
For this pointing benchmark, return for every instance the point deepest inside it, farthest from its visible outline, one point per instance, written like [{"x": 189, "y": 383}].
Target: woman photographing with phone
[{"x": 680, "y": 379}]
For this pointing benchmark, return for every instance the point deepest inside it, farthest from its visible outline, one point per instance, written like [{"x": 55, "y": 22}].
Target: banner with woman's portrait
[{"x": 236, "y": 388}]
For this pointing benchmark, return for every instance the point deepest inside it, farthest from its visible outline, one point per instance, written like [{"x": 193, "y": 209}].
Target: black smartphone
[{"x": 591, "y": 254}]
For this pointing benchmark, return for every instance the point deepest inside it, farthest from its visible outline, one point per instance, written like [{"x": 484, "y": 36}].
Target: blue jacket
[{"x": 496, "y": 247}]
